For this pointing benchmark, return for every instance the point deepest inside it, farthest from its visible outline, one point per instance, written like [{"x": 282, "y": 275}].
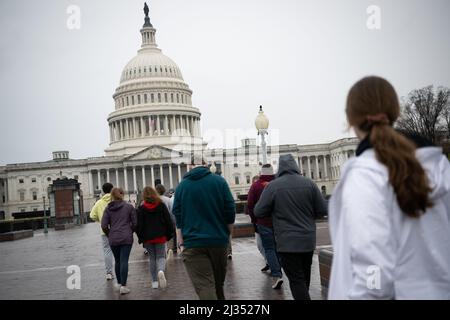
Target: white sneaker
[
  {"x": 109, "y": 276},
  {"x": 155, "y": 284},
  {"x": 169, "y": 254},
  {"x": 276, "y": 283},
  {"x": 117, "y": 286},
  {"x": 124, "y": 290},
  {"x": 162, "y": 279}
]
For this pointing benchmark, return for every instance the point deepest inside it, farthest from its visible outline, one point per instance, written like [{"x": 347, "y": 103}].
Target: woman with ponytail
[{"x": 390, "y": 212}]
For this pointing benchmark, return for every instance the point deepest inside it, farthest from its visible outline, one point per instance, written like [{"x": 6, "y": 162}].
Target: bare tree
[{"x": 424, "y": 112}]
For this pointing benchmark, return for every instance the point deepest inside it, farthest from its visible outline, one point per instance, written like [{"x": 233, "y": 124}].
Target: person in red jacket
[
  {"x": 154, "y": 229},
  {"x": 264, "y": 226}
]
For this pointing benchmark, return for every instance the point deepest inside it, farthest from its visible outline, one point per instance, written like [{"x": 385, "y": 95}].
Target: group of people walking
[
  {"x": 389, "y": 216},
  {"x": 152, "y": 223}
]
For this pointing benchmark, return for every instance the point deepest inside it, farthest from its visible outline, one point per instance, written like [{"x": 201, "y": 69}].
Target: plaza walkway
[{"x": 35, "y": 268}]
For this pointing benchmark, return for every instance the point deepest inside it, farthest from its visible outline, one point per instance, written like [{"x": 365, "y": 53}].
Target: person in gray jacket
[{"x": 294, "y": 202}]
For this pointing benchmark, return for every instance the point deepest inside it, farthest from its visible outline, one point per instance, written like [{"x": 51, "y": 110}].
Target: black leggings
[{"x": 297, "y": 267}]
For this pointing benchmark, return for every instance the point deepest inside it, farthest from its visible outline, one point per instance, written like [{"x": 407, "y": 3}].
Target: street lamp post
[
  {"x": 262, "y": 124},
  {"x": 45, "y": 217}
]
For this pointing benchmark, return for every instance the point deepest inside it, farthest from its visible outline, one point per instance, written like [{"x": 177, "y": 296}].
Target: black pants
[{"x": 297, "y": 267}]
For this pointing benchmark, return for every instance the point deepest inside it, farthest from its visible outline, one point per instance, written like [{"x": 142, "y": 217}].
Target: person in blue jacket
[{"x": 205, "y": 212}]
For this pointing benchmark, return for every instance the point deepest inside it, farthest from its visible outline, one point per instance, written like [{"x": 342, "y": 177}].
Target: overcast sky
[{"x": 297, "y": 58}]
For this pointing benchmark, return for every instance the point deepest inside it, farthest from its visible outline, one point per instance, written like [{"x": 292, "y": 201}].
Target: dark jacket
[
  {"x": 154, "y": 223},
  {"x": 119, "y": 222},
  {"x": 294, "y": 202},
  {"x": 253, "y": 196},
  {"x": 203, "y": 208}
]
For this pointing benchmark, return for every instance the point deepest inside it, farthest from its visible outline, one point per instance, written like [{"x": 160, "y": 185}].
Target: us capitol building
[{"x": 153, "y": 131}]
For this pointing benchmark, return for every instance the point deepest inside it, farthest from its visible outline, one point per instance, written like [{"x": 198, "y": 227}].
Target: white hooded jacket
[{"x": 380, "y": 252}]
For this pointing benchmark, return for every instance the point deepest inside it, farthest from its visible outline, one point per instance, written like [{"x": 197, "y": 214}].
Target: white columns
[
  {"x": 309, "y": 167},
  {"x": 325, "y": 167},
  {"x": 134, "y": 180},
  {"x": 300, "y": 164},
  {"x": 179, "y": 174},
  {"x": 117, "y": 177},
  {"x": 317, "y": 168},
  {"x": 107, "y": 175},
  {"x": 161, "y": 174},
  {"x": 90, "y": 181},
  {"x": 144, "y": 183},
  {"x": 135, "y": 128},
  {"x": 151, "y": 125},
  {"x": 125, "y": 179},
  {"x": 158, "y": 126},
  {"x": 170, "y": 176},
  {"x": 166, "y": 123},
  {"x": 99, "y": 180},
  {"x": 153, "y": 176}
]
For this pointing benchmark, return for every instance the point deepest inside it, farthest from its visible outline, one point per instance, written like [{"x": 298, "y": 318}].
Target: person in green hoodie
[
  {"x": 96, "y": 215},
  {"x": 205, "y": 212}
]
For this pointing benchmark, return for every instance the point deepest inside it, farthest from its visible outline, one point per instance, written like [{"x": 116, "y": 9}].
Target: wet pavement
[{"x": 36, "y": 268}]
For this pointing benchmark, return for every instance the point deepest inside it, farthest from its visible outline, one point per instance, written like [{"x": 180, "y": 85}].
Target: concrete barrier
[
  {"x": 325, "y": 261},
  {"x": 16, "y": 235}
]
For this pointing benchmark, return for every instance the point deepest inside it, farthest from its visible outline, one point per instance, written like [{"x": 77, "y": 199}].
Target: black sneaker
[
  {"x": 266, "y": 268},
  {"x": 230, "y": 257}
]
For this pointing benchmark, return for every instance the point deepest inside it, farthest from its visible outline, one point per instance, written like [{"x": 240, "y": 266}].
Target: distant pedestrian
[
  {"x": 154, "y": 229},
  {"x": 118, "y": 223},
  {"x": 294, "y": 202},
  {"x": 205, "y": 212},
  {"x": 172, "y": 244},
  {"x": 264, "y": 227},
  {"x": 96, "y": 215},
  {"x": 390, "y": 212}
]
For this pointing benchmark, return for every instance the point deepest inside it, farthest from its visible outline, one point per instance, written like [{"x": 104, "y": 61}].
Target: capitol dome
[{"x": 153, "y": 104}]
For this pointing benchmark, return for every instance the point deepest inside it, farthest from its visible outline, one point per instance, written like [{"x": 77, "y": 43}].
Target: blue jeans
[
  {"x": 157, "y": 255},
  {"x": 121, "y": 255},
  {"x": 268, "y": 242}
]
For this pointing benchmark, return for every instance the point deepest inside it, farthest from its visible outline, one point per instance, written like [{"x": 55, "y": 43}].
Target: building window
[
  {"x": 49, "y": 179},
  {"x": 22, "y": 196},
  {"x": 34, "y": 195},
  {"x": 22, "y": 209},
  {"x": 165, "y": 97},
  {"x": 128, "y": 102},
  {"x": 152, "y": 97},
  {"x": 312, "y": 175},
  {"x": 145, "y": 98},
  {"x": 75, "y": 177},
  {"x": 33, "y": 179},
  {"x": 320, "y": 174},
  {"x": 3, "y": 198},
  {"x": 178, "y": 98},
  {"x": 235, "y": 165},
  {"x": 20, "y": 180},
  {"x": 213, "y": 153},
  {"x": 247, "y": 164},
  {"x": 236, "y": 180},
  {"x": 34, "y": 209},
  {"x": 159, "y": 97},
  {"x": 132, "y": 100},
  {"x": 139, "y": 99},
  {"x": 248, "y": 179},
  {"x": 171, "y": 97}
]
